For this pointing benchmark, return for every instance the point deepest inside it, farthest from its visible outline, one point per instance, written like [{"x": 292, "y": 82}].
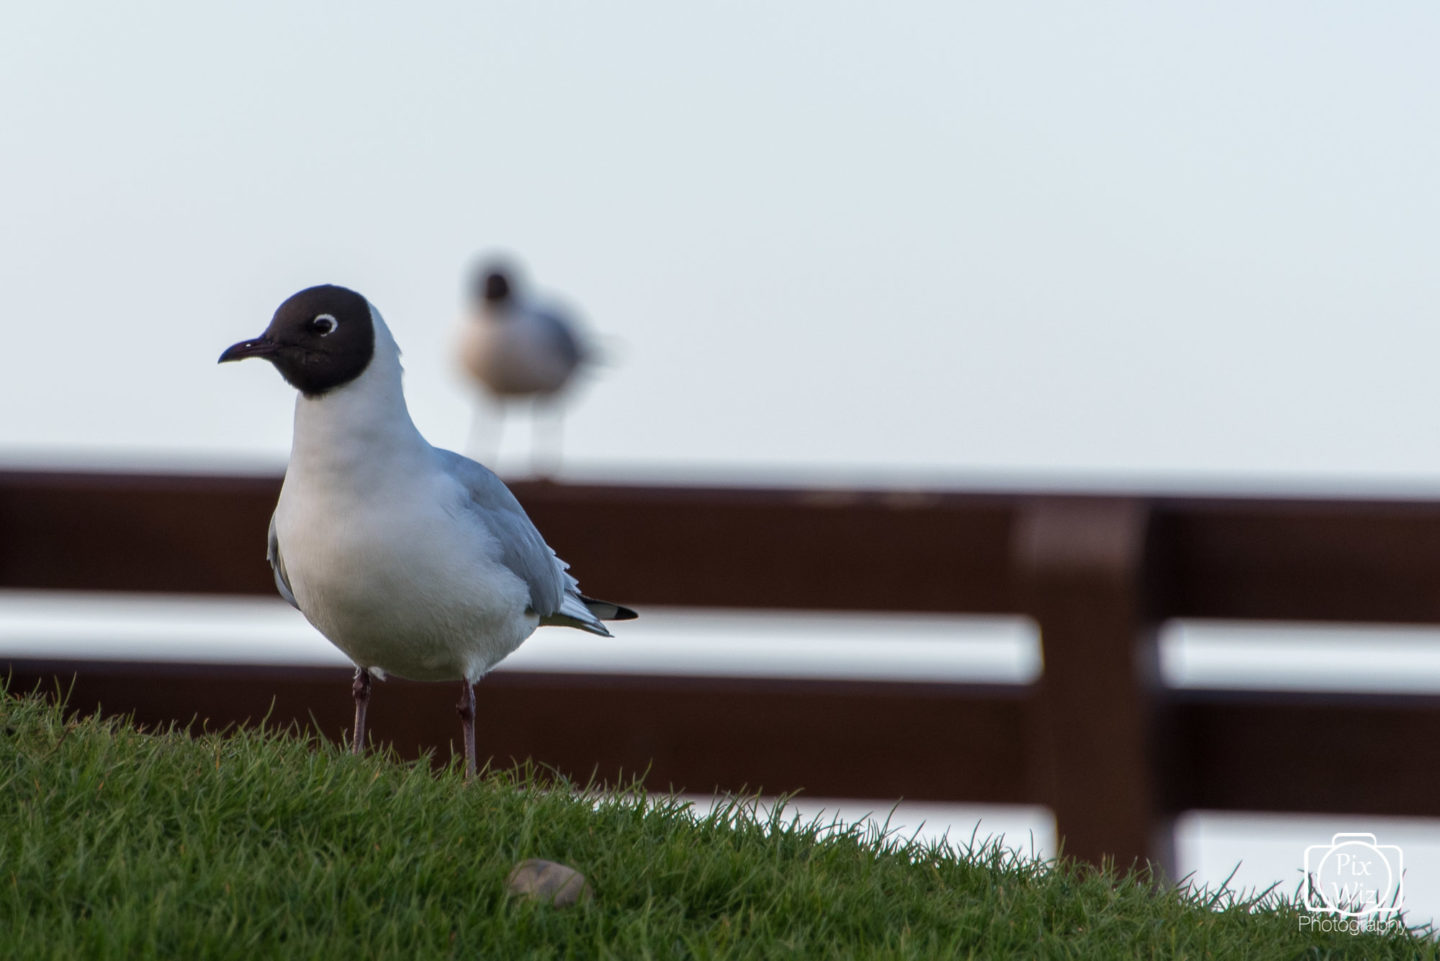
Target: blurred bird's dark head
[{"x": 491, "y": 285}]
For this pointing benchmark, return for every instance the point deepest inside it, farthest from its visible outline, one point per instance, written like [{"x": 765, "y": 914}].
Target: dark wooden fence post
[{"x": 1081, "y": 564}]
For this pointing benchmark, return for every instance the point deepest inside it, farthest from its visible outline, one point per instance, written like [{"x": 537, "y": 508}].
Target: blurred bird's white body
[{"x": 513, "y": 356}]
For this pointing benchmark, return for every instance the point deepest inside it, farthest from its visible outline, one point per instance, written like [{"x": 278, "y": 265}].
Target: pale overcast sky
[{"x": 955, "y": 242}]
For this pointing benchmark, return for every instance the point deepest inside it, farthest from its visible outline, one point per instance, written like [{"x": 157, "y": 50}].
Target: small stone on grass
[{"x": 548, "y": 882}]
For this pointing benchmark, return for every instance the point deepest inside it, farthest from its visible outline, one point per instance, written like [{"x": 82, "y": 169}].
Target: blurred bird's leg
[
  {"x": 547, "y": 429},
  {"x": 487, "y": 425},
  {"x": 361, "y": 690},
  {"x": 466, "y": 710}
]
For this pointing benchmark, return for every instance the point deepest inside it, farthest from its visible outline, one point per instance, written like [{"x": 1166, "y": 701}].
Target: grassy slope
[{"x": 115, "y": 843}]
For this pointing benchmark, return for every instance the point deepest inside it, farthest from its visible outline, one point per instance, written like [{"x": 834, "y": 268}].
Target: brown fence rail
[{"x": 1097, "y": 738}]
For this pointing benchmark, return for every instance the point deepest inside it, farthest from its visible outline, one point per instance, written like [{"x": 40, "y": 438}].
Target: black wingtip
[{"x": 608, "y": 610}]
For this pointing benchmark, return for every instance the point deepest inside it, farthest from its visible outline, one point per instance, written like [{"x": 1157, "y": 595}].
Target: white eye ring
[{"x": 324, "y": 324}]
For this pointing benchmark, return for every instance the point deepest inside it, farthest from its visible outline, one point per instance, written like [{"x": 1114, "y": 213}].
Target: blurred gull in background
[{"x": 514, "y": 348}]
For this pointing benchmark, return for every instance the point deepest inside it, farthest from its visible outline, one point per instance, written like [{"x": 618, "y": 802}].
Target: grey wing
[
  {"x": 562, "y": 335},
  {"x": 277, "y": 566},
  {"x": 522, "y": 549}
]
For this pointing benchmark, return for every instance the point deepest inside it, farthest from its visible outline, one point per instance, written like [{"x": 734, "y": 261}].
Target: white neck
[{"x": 354, "y": 429}]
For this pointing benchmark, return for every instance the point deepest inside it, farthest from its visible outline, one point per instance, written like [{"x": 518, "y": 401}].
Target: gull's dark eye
[{"x": 323, "y": 324}]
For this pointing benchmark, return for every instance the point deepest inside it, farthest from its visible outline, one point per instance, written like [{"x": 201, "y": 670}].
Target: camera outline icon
[{"x": 1364, "y": 876}]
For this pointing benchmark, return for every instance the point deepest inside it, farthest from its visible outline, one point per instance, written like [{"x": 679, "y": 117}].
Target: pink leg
[
  {"x": 361, "y": 690},
  {"x": 466, "y": 710}
]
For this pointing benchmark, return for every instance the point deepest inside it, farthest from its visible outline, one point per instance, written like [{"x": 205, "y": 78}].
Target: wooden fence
[{"x": 1097, "y": 738}]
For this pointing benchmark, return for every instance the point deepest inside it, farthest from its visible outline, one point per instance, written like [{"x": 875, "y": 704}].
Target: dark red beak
[{"x": 259, "y": 347}]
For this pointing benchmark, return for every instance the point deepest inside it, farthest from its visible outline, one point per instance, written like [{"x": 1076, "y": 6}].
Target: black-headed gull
[
  {"x": 412, "y": 560},
  {"x": 514, "y": 348}
]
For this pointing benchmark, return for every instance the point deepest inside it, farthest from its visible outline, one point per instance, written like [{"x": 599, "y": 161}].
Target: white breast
[{"x": 401, "y": 586}]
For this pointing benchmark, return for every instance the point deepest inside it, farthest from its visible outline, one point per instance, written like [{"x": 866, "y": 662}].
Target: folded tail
[
  {"x": 607, "y": 610},
  {"x": 586, "y": 613}
]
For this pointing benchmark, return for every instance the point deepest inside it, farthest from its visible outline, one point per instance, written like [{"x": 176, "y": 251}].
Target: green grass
[{"x": 120, "y": 844}]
